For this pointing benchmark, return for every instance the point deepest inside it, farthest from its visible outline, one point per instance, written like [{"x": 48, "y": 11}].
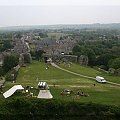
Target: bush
[
  {"x": 10, "y": 61},
  {"x": 11, "y": 75},
  {"x": 32, "y": 108}
]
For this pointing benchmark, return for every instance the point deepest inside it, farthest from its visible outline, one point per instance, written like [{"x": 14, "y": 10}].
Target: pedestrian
[{"x": 54, "y": 84}]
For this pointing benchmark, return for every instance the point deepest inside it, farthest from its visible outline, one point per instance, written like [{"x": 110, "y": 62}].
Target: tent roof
[
  {"x": 45, "y": 94},
  {"x": 12, "y": 90}
]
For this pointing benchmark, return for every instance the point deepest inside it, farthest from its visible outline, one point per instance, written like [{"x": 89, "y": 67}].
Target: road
[{"x": 85, "y": 76}]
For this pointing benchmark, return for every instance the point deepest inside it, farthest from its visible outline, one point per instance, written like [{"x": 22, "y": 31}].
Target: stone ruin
[
  {"x": 62, "y": 58},
  {"x": 25, "y": 58},
  {"x": 83, "y": 60},
  {"x": 111, "y": 70}
]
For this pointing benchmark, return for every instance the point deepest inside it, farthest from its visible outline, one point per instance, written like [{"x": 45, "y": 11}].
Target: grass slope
[
  {"x": 85, "y": 70},
  {"x": 101, "y": 93}
]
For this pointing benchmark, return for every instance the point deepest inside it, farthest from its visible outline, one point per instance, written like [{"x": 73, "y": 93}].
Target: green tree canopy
[
  {"x": 38, "y": 54},
  {"x": 115, "y": 63},
  {"x": 91, "y": 56},
  {"x": 10, "y": 61},
  {"x": 104, "y": 59},
  {"x": 6, "y": 45}
]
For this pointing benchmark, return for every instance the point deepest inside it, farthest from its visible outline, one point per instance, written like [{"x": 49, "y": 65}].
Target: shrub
[
  {"x": 11, "y": 75},
  {"x": 32, "y": 108}
]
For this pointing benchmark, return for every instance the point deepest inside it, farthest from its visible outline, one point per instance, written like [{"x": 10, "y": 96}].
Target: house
[
  {"x": 20, "y": 46},
  {"x": 55, "y": 47},
  {"x": 49, "y": 60}
]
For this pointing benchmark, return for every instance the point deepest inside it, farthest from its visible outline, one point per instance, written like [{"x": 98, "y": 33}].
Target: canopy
[
  {"x": 12, "y": 90},
  {"x": 45, "y": 94}
]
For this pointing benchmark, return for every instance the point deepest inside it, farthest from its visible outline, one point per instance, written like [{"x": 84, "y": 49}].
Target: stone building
[
  {"x": 56, "y": 47},
  {"x": 20, "y": 46}
]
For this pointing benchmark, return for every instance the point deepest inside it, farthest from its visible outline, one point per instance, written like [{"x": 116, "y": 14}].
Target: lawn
[
  {"x": 100, "y": 93},
  {"x": 85, "y": 70}
]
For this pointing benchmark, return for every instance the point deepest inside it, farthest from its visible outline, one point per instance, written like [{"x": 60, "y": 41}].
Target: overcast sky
[
  {"x": 59, "y": 2},
  {"x": 40, "y": 12}
]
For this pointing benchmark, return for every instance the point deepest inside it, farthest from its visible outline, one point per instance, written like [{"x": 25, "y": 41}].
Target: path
[
  {"x": 53, "y": 64},
  {"x": 81, "y": 75}
]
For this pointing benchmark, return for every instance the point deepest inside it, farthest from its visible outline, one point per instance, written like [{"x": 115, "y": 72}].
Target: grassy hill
[
  {"x": 100, "y": 93},
  {"x": 85, "y": 70}
]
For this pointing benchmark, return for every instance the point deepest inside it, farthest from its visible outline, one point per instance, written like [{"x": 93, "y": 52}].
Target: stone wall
[{"x": 62, "y": 58}]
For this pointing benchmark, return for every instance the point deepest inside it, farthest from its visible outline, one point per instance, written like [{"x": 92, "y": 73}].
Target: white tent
[
  {"x": 45, "y": 94},
  {"x": 12, "y": 90}
]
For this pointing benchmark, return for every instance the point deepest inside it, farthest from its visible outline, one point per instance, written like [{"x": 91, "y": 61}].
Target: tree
[
  {"x": 104, "y": 59},
  {"x": 78, "y": 50},
  {"x": 115, "y": 63},
  {"x": 43, "y": 35},
  {"x": 38, "y": 54},
  {"x": 6, "y": 45},
  {"x": 10, "y": 61},
  {"x": 91, "y": 56},
  {"x": 27, "y": 58},
  {"x": 84, "y": 50},
  {"x": 18, "y": 35}
]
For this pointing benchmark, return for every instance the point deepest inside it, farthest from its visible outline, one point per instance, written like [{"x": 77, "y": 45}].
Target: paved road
[{"x": 53, "y": 64}]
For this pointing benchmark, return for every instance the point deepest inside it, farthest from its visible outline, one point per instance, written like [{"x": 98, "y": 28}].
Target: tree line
[{"x": 101, "y": 51}]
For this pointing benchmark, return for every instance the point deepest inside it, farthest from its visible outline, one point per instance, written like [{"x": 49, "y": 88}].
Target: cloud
[{"x": 59, "y": 2}]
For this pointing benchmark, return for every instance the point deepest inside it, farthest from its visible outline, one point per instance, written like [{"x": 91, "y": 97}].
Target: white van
[{"x": 100, "y": 79}]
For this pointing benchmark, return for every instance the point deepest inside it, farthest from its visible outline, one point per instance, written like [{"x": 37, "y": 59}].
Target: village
[
  {"x": 59, "y": 60},
  {"x": 58, "y": 65},
  {"x": 55, "y": 50}
]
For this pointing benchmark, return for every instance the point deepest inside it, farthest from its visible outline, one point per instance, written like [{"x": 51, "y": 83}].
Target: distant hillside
[{"x": 63, "y": 26}]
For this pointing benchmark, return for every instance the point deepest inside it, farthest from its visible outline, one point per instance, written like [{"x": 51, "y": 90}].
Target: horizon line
[{"x": 59, "y": 24}]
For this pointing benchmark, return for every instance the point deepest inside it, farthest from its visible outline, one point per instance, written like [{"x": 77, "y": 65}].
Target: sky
[{"x": 47, "y": 12}]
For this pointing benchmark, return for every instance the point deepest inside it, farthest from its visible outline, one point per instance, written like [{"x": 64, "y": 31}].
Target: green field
[
  {"x": 85, "y": 70},
  {"x": 101, "y": 93},
  {"x": 57, "y": 35}
]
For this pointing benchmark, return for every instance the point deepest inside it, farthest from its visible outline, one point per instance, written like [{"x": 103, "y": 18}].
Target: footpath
[{"x": 81, "y": 75}]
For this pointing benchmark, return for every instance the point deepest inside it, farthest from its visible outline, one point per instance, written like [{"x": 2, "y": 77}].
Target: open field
[{"x": 100, "y": 93}]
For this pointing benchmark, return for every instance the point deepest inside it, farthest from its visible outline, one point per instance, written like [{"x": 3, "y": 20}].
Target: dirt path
[{"x": 85, "y": 76}]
